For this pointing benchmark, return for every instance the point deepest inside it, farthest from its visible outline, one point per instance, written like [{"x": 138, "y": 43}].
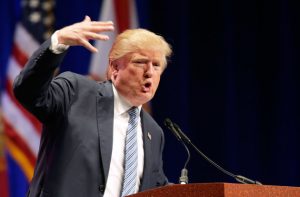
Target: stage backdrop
[{"x": 232, "y": 85}]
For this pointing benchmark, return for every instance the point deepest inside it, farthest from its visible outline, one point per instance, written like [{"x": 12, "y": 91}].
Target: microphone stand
[
  {"x": 184, "y": 138},
  {"x": 183, "y": 179}
]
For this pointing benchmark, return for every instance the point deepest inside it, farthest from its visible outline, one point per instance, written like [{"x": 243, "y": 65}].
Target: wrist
[{"x": 55, "y": 46}]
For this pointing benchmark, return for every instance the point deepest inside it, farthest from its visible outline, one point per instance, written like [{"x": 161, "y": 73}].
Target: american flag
[{"x": 21, "y": 129}]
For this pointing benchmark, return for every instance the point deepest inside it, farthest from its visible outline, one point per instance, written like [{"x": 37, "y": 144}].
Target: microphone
[
  {"x": 183, "y": 137},
  {"x": 183, "y": 179}
]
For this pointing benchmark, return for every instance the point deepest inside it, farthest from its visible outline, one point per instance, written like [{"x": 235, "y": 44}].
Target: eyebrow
[{"x": 145, "y": 57}]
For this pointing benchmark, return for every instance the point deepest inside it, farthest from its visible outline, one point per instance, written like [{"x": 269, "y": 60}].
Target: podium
[{"x": 220, "y": 190}]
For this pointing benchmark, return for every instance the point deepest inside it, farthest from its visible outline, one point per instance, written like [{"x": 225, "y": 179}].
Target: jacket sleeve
[{"x": 35, "y": 88}]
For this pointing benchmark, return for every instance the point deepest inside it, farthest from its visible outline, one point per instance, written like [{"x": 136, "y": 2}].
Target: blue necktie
[{"x": 131, "y": 154}]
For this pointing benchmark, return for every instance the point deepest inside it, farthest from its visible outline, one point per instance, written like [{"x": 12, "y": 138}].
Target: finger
[
  {"x": 95, "y": 36},
  {"x": 88, "y": 45},
  {"x": 102, "y": 23},
  {"x": 98, "y": 29}
]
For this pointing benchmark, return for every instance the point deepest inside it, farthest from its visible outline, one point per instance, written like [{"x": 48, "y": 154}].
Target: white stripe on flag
[
  {"x": 13, "y": 69},
  {"x": 134, "y": 23},
  {"x": 99, "y": 61},
  {"x": 26, "y": 43},
  {"x": 22, "y": 126}
]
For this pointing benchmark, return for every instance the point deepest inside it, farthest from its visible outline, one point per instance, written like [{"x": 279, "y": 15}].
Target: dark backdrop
[
  {"x": 232, "y": 83},
  {"x": 233, "y": 86}
]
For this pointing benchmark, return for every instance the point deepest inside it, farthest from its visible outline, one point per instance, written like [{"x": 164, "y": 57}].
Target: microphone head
[{"x": 168, "y": 122}]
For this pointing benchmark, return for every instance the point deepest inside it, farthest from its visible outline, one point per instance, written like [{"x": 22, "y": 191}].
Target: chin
[{"x": 141, "y": 101}]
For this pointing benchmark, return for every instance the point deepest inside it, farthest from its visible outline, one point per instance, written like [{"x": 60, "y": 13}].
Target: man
[{"x": 85, "y": 144}]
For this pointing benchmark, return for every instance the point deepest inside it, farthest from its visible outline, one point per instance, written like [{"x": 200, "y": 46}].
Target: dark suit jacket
[{"x": 76, "y": 143}]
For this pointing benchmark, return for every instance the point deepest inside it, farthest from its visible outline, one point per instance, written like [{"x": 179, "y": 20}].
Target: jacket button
[{"x": 101, "y": 188}]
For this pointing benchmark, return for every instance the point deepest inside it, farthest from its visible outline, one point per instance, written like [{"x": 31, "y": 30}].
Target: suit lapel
[
  {"x": 147, "y": 152},
  {"x": 105, "y": 114}
]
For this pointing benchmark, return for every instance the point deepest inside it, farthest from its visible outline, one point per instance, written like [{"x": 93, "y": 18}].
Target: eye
[
  {"x": 156, "y": 65},
  {"x": 139, "y": 62}
]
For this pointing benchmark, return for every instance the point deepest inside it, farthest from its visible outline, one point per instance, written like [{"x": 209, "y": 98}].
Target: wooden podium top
[{"x": 221, "y": 190}]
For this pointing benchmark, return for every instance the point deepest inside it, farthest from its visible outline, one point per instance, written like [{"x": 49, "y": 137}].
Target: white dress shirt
[{"x": 116, "y": 169}]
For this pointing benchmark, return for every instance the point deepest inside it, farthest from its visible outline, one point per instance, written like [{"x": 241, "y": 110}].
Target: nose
[{"x": 149, "y": 70}]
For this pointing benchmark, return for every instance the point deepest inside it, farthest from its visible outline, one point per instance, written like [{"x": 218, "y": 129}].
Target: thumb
[{"x": 87, "y": 18}]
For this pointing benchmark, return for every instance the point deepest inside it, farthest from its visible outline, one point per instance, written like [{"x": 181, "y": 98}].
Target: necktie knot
[{"x": 133, "y": 112}]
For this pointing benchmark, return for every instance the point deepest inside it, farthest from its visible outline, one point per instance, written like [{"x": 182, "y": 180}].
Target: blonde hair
[{"x": 133, "y": 40}]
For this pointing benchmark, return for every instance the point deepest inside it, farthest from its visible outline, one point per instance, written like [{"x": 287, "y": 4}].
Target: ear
[
  {"x": 113, "y": 68},
  {"x": 113, "y": 64}
]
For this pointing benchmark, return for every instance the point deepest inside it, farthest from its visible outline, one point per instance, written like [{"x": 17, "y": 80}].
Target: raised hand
[{"x": 80, "y": 33}]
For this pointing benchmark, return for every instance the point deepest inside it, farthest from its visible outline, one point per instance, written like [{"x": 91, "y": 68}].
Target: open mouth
[{"x": 147, "y": 86}]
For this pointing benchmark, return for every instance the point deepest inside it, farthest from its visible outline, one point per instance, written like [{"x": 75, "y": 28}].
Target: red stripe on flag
[
  {"x": 36, "y": 124},
  {"x": 122, "y": 14},
  {"x": 3, "y": 180},
  {"x": 20, "y": 57},
  {"x": 3, "y": 166},
  {"x": 18, "y": 141}
]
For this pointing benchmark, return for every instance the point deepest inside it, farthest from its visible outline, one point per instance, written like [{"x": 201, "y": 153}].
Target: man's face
[{"x": 136, "y": 75}]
